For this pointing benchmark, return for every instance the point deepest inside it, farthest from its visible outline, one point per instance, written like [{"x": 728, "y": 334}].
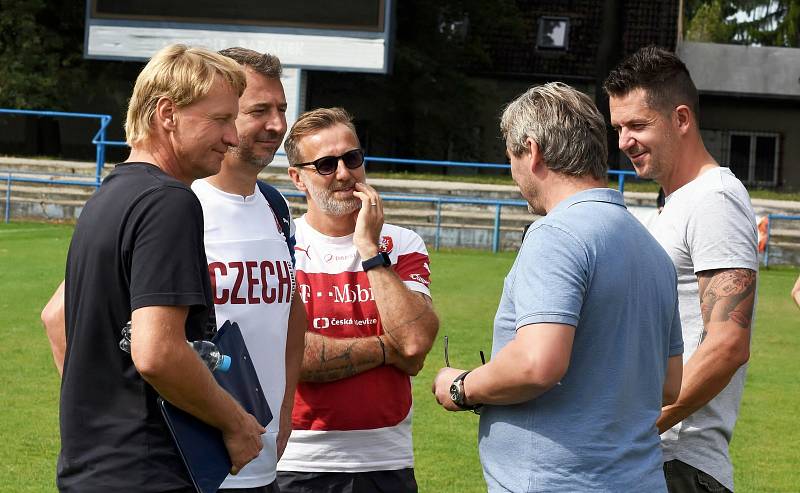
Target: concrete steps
[{"x": 469, "y": 225}]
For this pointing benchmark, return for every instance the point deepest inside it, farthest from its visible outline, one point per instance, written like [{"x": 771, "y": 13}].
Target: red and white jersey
[
  {"x": 361, "y": 423},
  {"x": 252, "y": 282}
]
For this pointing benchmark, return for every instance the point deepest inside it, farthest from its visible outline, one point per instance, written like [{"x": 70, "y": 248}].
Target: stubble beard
[
  {"x": 244, "y": 153},
  {"x": 327, "y": 203}
]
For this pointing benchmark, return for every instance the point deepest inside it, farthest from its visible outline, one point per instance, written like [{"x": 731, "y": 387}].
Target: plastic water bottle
[{"x": 207, "y": 351}]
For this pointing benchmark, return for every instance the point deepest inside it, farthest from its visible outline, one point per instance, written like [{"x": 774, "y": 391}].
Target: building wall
[{"x": 760, "y": 115}]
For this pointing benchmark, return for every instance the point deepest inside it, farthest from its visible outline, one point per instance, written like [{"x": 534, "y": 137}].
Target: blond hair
[
  {"x": 311, "y": 122},
  {"x": 564, "y": 123},
  {"x": 181, "y": 74}
]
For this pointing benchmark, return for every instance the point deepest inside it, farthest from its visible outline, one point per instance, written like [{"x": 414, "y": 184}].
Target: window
[
  {"x": 553, "y": 34},
  {"x": 753, "y": 157}
]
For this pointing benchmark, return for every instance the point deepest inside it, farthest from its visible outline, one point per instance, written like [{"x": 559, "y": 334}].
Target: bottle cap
[{"x": 225, "y": 363}]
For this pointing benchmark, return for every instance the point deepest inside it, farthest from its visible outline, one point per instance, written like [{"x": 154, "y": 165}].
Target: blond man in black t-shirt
[{"x": 137, "y": 254}]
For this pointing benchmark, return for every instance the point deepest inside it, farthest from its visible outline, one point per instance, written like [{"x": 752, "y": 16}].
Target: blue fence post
[
  {"x": 621, "y": 183},
  {"x": 101, "y": 149},
  {"x": 766, "y": 246},
  {"x": 438, "y": 224},
  {"x": 8, "y": 197},
  {"x": 496, "y": 239}
]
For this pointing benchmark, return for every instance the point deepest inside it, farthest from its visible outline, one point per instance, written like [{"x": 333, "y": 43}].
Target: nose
[
  {"x": 625, "y": 141},
  {"x": 276, "y": 123},
  {"x": 342, "y": 172},
  {"x": 230, "y": 136}
]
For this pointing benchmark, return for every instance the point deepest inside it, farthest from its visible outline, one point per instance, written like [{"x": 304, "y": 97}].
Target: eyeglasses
[
  {"x": 479, "y": 408},
  {"x": 447, "y": 355},
  {"x": 326, "y": 165}
]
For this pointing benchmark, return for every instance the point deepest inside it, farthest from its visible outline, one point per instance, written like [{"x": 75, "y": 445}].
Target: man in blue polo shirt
[{"x": 587, "y": 341}]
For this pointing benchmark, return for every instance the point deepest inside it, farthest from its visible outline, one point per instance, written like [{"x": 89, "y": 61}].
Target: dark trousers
[
  {"x": 399, "y": 481},
  {"x": 683, "y": 478}
]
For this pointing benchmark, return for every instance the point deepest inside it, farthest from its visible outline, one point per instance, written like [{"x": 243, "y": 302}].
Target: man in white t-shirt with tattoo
[
  {"x": 708, "y": 227},
  {"x": 370, "y": 321}
]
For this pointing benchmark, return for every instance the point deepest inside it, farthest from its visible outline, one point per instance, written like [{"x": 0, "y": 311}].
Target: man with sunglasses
[
  {"x": 370, "y": 321},
  {"x": 249, "y": 262}
]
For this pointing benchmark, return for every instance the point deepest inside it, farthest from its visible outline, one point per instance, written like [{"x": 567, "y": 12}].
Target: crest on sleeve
[{"x": 386, "y": 244}]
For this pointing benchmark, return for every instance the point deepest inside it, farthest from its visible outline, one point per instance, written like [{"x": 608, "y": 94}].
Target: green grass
[{"x": 466, "y": 289}]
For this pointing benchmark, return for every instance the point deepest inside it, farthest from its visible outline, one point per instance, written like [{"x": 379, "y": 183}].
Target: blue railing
[
  {"x": 391, "y": 197},
  {"x": 99, "y": 139},
  {"x": 100, "y": 143},
  {"x": 770, "y": 218}
]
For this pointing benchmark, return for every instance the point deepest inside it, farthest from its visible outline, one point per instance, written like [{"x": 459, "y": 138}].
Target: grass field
[{"x": 466, "y": 288}]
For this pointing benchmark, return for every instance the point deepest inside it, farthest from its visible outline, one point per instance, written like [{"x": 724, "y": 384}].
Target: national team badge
[{"x": 386, "y": 245}]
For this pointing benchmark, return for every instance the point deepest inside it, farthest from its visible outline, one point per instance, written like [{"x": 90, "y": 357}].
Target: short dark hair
[
  {"x": 660, "y": 73},
  {"x": 262, "y": 63}
]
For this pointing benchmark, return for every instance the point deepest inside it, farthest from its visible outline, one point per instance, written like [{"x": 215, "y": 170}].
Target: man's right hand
[{"x": 243, "y": 441}]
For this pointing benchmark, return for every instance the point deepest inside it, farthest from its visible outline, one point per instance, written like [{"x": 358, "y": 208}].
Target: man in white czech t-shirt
[
  {"x": 708, "y": 227},
  {"x": 249, "y": 263},
  {"x": 370, "y": 321}
]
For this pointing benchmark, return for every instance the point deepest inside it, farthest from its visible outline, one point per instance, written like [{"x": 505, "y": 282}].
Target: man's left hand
[
  {"x": 369, "y": 221},
  {"x": 441, "y": 387}
]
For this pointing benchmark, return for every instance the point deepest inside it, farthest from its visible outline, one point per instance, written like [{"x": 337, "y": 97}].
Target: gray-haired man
[{"x": 587, "y": 339}]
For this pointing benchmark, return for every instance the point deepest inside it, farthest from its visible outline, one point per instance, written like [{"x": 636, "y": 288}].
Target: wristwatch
[
  {"x": 458, "y": 396},
  {"x": 380, "y": 260}
]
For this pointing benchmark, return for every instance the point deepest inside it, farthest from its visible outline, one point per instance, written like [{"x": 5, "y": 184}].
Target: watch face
[{"x": 455, "y": 394}]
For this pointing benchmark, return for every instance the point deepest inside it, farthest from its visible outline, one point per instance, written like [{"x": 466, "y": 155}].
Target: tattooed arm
[
  {"x": 327, "y": 358},
  {"x": 726, "y": 302}
]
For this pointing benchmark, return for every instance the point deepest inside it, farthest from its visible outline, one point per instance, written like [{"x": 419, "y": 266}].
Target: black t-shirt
[{"x": 138, "y": 242}]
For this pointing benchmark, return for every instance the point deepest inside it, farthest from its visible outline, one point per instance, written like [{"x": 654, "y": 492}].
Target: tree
[
  {"x": 41, "y": 48},
  {"x": 762, "y": 22}
]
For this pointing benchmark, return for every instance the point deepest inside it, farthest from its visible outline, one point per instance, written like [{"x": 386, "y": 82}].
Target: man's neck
[
  {"x": 691, "y": 164},
  {"x": 329, "y": 225},
  {"x": 161, "y": 157},
  {"x": 562, "y": 187},
  {"x": 235, "y": 178}
]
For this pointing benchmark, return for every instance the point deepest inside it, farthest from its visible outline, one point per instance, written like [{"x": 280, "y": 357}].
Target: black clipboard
[{"x": 200, "y": 445}]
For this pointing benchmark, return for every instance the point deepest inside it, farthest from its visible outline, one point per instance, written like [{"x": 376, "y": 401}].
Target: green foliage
[
  {"x": 762, "y": 22},
  {"x": 41, "y": 43}
]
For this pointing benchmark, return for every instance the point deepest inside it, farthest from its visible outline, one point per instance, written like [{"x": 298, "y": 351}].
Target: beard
[
  {"x": 244, "y": 153},
  {"x": 329, "y": 204}
]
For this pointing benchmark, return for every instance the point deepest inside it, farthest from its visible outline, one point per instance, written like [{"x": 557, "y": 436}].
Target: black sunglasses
[{"x": 326, "y": 165}]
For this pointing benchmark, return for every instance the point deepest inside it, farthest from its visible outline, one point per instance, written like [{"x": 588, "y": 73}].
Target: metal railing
[
  {"x": 391, "y": 197},
  {"x": 770, "y": 218},
  {"x": 100, "y": 143},
  {"x": 99, "y": 139}
]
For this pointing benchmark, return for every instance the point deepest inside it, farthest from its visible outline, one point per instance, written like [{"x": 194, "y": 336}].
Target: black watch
[
  {"x": 458, "y": 395},
  {"x": 380, "y": 260}
]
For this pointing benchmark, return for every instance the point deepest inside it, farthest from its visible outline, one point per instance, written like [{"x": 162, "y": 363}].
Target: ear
[
  {"x": 164, "y": 116},
  {"x": 294, "y": 175},
  {"x": 535, "y": 157},
  {"x": 683, "y": 118}
]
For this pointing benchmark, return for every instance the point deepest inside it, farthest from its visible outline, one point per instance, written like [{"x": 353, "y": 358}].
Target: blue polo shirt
[{"x": 589, "y": 264}]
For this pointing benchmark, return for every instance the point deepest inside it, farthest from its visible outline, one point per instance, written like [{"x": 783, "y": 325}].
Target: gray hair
[
  {"x": 262, "y": 63},
  {"x": 564, "y": 123}
]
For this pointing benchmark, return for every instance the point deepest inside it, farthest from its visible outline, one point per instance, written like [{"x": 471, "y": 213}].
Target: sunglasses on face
[{"x": 326, "y": 165}]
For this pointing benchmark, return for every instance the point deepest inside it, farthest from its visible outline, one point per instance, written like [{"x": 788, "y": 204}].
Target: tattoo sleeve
[
  {"x": 333, "y": 359},
  {"x": 727, "y": 295}
]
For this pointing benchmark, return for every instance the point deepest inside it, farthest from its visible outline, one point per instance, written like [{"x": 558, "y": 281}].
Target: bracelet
[{"x": 383, "y": 349}]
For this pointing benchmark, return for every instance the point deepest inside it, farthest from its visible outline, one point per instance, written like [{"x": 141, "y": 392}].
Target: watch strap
[{"x": 380, "y": 260}]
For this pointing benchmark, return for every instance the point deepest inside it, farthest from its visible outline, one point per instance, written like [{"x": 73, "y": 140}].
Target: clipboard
[{"x": 200, "y": 445}]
